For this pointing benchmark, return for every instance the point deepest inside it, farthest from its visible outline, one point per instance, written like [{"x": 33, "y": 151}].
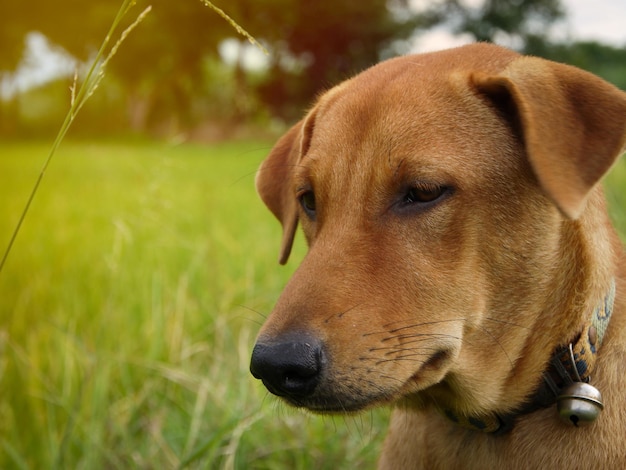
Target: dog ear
[
  {"x": 572, "y": 122},
  {"x": 273, "y": 183}
]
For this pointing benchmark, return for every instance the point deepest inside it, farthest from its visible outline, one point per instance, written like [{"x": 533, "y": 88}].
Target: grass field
[
  {"x": 128, "y": 310},
  {"x": 129, "y": 307}
]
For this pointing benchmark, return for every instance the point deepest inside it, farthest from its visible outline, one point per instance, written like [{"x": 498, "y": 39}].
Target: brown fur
[{"x": 458, "y": 305}]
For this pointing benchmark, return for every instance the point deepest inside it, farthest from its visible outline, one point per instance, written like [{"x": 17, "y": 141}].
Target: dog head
[{"x": 437, "y": 193}]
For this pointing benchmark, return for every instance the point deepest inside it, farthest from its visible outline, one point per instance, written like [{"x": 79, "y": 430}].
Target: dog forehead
[
  {"x": 424, "y": 93},
  {"x": 384, "y": 93},
  {"x": 370, "y": 116},
  {"x": 404, "y": 109}
]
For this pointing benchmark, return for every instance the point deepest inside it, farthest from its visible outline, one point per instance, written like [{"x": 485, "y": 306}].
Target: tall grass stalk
[
  {"x": 236, "y": 26},
  {"x": 78, "y": 99}
]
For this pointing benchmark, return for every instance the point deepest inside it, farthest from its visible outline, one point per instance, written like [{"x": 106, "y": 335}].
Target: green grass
[
  {"x": 128, "y": 310},
  {"x": 129, "y": 307},
  {"x": 615, "y": 184}
]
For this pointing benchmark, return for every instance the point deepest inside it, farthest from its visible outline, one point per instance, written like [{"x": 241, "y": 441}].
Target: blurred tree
[
  {"x": 159, "y": 66},
  {"x": 162, "y": 67},
  {"x": 315, "y": 44},
  {"x": 11, "y": 35},
  {"x": 512, "y": 21}
]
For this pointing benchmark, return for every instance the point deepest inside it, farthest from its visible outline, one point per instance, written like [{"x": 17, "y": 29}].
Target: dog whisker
[
  {"x": 261, "y": 314},
  {"x": 420, "y": 354},
  {"x": 341, "y": 314},
  {"x": 390, "y": 378},
  {"x": 423, "y": 337},
  {"x": 427, "y": 323},
  {"x": 397, "y": 348},
  {"x": 422, "y": 350},
  {"x": 399, "y": 359}
]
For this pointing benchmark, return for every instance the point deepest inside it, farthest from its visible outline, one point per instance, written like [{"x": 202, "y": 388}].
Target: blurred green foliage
[{"x": 169, "y": 77}]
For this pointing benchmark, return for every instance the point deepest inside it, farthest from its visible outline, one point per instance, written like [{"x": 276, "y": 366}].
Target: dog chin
[
  {"x": 333, "y": 404},
  {"x": 414, "y": 394}
]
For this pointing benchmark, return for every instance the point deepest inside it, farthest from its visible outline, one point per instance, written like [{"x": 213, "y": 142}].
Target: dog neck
[{"x": 571, "y": 363}]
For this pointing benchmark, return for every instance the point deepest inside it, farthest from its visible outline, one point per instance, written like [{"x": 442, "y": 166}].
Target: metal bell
[{"x": 579, "y": 404}]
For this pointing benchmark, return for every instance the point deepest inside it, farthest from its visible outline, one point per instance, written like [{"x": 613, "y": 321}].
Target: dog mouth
[
  {"x": 309, "y": 381},
  {"x": 331, "y": 404},
  {"x": 341, "y": 399}
]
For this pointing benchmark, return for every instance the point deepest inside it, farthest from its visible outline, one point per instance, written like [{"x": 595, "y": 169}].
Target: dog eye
[
  {"x": 423, "y": 194},
  {"x": 307, "y": 201}
]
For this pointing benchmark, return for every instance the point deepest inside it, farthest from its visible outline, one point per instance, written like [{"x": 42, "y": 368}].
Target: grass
[
  {"x": 129, "y": 307},
  {"x": 615, "y": 184},
  {"x": 128, "y": 310}
]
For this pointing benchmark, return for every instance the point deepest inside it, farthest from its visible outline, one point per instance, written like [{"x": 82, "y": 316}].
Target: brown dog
[{"x": 461, "y": 263}]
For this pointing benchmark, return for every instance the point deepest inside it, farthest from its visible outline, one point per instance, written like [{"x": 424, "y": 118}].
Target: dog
[{"x": 461, "y": 265}]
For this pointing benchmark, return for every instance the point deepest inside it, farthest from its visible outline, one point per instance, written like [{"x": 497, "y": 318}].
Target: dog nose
[{"x": 290, "y": 367}]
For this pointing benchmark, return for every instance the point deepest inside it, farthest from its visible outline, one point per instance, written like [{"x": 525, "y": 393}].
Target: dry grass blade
[
  {"x": 78, "y": 99},
  {"x": 234, "y": 24}
]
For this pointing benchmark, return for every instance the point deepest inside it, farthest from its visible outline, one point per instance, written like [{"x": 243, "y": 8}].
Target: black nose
[{"x": 289, "y": 367}]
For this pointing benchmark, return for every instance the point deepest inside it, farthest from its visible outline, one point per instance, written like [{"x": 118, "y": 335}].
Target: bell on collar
[{"x": 579, "y": 404}]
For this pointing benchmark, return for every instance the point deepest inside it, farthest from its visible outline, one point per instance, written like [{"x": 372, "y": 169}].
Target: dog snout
[{"x": 290, "y": 367}]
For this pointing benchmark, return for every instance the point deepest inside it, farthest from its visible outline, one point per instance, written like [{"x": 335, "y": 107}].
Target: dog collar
[{"x": 569, "y": 364}]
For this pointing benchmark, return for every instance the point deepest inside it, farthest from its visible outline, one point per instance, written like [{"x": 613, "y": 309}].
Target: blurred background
[
  {"x": 187, "y": 73},
  {"x": 146, "y": 264}
]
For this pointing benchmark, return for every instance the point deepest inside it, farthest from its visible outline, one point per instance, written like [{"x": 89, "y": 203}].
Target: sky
[
  {"x": 601, "y": 20},
  {"x": 598, "y": 19}
]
